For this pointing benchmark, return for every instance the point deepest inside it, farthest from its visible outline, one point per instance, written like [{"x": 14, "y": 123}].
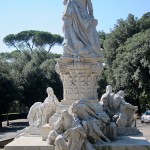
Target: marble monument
[{"x": 80, "y": 121}]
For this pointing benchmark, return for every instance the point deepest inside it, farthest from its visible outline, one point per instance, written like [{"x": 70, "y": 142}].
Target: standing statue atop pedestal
[
  {"x": 117, "y": 108},
  {"x": 80, "y": 35}
]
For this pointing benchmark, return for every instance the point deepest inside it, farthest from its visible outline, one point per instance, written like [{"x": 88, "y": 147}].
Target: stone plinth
[
  {"x": 45, "y": 131},
  {"x": 111, "y": 131},
  {"x": 79, "y": 77},
  {"x": 33, "y": 130},
  {"x": 121, "y": 143},
  {"x": 126, "y": 143},
  {"x": 29, "y": 143},
  {"x": 127, "y": 131}
]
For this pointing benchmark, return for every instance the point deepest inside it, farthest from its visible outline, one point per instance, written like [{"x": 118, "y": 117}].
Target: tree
[
  {"x": 102, "y": 36},
  {"x": 32, "y": 39},
  {"x": 7, "y": 89},
  {"x": 46, "y": 39},
  {"x": 32, "y": 74},
  {"x": 11, "y": 41},
  {"x": 127, "y": 56}
]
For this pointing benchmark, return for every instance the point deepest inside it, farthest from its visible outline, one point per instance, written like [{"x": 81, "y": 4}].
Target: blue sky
[{"x": 45, "y": 15}]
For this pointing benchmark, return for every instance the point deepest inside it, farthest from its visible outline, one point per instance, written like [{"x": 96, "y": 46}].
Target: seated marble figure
[
  {"x": 117, "y": 108},
  {"x": 40, "y": 113}
]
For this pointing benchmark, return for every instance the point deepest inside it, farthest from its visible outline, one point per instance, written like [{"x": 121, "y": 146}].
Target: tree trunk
[
  {"x": 7, "y": 120},
  {"x": 139, "y": 106},
  {"x": 0, "y": 120}
]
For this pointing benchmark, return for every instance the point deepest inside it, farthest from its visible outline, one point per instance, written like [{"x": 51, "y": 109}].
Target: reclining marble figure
[{"x": 117, "y": 108}]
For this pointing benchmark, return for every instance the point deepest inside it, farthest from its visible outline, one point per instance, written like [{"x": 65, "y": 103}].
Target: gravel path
[{"x": 14, "y": 126}]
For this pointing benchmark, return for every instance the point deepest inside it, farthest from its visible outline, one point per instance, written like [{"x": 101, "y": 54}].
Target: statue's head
[
  {"x": 121, "y": 93},
  {"x": 73, "y": 108},
  {"x": 50, "y": 91},
  {"x": 108, "y": 89},
  {"x": 65, "y": 114}
]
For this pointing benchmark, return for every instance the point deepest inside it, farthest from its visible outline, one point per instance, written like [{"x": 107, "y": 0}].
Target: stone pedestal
[
  {"x": 111, "y": 131},
  {"x": 127, "y": 131},
  {"x": 121, "y": 143},
  {"x": 45, "y": 131},
  {"x": 79, "y": 77},
  {"x": 29, "y": 143}
]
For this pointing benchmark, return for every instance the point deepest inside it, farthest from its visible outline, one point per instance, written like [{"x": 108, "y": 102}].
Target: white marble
[{"x": 45, "y": 131}]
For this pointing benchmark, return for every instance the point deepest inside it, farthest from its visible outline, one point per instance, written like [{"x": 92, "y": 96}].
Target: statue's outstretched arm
[{"x": 90, "y": 7}]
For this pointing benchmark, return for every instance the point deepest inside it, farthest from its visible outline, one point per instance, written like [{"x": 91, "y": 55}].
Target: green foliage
[
  {"x": 7, "y": 88},
  {"x": 102, "y": 36},
  {"x": 32, "y": 39},
  {"x": 127, "y": 58},
  {"x": 31, "y": 74}
]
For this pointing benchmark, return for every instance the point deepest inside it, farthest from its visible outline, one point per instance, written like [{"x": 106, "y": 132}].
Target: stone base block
[
  {"x": 68, "y": 102},
  {"x": 34, "y": 130},
  {"x": 126, "y": 143},
  {"x": 45, "y": 131},
  {"x": 29, "y": 143},
  {"x": 111, "y": 131},
  {"x": 121, "y": 143},
  {"x": 127, "y": 131}
]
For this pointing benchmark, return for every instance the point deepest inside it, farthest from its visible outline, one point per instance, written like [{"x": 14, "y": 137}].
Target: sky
[{"x": 46, "y": 15}]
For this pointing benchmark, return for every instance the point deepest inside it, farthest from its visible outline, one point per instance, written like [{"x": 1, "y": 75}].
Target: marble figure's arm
[{"x": 90, "y": 7}]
